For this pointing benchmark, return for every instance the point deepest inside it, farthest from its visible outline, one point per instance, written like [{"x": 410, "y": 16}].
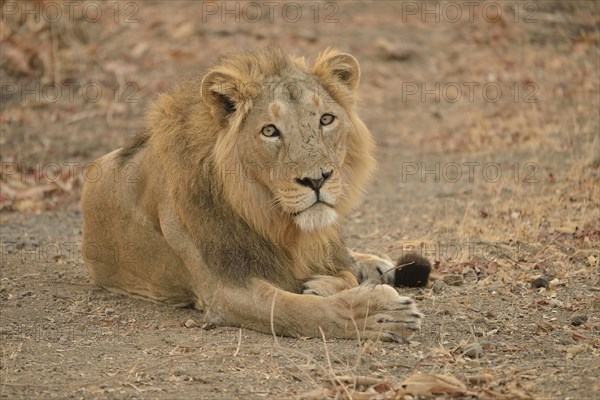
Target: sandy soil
[{"x": 488, "y": 146}]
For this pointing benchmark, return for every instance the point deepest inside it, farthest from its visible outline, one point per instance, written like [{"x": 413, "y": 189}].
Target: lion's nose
[{"x": 315, "y": 184}]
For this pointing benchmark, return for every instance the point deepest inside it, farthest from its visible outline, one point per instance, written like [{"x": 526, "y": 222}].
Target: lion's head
[{"x": 290, "y": 147}]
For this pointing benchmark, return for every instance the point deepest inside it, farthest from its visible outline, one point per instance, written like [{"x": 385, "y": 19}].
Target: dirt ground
[{"x": 486, "y": 119}]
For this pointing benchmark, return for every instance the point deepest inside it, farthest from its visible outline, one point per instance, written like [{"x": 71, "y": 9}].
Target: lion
[{"x": 231, "y": 200}]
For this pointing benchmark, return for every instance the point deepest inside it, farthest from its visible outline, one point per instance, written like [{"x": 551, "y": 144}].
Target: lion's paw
[
  {"x": 378, "y": 312},
  {"x": 323, "y": 285},
  {"x": 369, "y": 267}
]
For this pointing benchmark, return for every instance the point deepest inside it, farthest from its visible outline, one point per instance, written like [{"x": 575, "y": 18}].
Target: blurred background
[{"x": 438, "y": 77}]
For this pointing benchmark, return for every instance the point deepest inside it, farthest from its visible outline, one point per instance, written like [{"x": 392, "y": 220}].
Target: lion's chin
[{"x": 316, "y": 218}]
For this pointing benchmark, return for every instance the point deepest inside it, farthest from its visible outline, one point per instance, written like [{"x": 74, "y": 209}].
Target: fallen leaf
[
  {"x": 360, "y": 380},
  {"x": 184, "y": 31},
  {"x": 428, "y": 384},
  {"x": 140, "y": 49},
  {"x": 572, "y": 351}
]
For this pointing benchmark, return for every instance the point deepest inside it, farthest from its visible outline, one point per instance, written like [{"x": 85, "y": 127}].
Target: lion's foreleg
[
  {"x": 372, "y": 311},
  {"x": 265, "y": 308}
]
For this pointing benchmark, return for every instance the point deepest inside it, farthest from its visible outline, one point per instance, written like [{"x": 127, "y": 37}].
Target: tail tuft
[{"x": 412, "y": 271}]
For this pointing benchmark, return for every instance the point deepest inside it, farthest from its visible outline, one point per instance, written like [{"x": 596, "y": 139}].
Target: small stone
[
  {"x": 444, "y": 312},
  {"x": 190, "y": 323},
  {"x": 438, "y": 286},
  {"x": 540, "y": 282},
  {"x": 453, "y": 280},
  {"x": 579, "y": 319},
  {"x": 208, "y": 326},
  {"x": 552, "y": 269},
  {"x": 565, "y": 340},
  {"x": 572, "y": 351},
  {"x": 556, "y": 303},
  {"x": 473, "y": 350},
  {"x": 469, "y": 274},
  {"x": 161, "y": 373},
  {"x": 545, "y": 326}
]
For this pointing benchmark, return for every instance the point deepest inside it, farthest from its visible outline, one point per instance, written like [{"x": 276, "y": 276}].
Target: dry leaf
[
  {"x": 572, "y": 351},
  {"x": 316, "y": 393},
  {"x": 184, "y": 31},
  {"x": 140, "y": 49},
  {"x": 428, "y": 384}
]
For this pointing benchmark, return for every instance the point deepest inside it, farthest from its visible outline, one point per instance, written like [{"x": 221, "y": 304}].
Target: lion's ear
[
  {"x": 343, "y": 67},
  {"x": 221, "y": 93}
]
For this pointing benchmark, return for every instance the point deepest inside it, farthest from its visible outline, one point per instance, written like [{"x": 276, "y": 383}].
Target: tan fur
[{"x": 203, "y": 209}]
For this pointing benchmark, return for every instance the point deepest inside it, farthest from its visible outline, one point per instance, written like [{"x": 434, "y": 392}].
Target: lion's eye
[
  {"x": 270, "y": 131},
  {"x": 327, "y": 119}
]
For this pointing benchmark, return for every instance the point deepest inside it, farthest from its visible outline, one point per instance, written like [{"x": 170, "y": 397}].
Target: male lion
[{"x": 230, "y": 201}]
